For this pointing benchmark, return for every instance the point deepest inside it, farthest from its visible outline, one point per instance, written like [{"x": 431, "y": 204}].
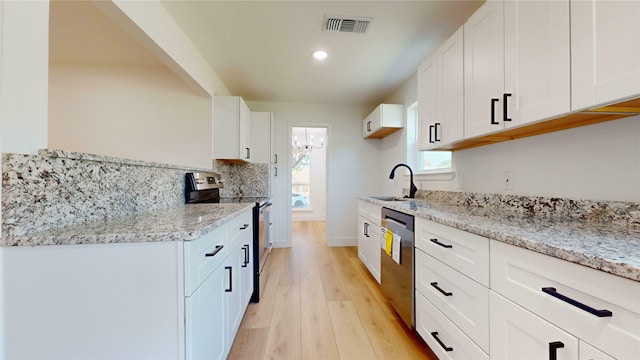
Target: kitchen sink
[{"x": 390, "y": 198}]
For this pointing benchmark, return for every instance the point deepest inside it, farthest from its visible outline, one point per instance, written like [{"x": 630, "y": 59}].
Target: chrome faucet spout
[{"x": 412, "y": 187}]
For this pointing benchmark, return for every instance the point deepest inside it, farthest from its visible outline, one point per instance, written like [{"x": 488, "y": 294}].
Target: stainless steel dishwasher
[{"x": 397, "y": 278}]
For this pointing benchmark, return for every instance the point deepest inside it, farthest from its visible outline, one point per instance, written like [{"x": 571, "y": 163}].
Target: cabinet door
[
  {"x": 374, "y": 242},
  {"x": 427, "y": 103},
  {"x": 450, "y": 90},
  {"x": 605, "y": 51},
  {"x": 233, "y": 295},
  {"x": 537, "y": 60},
  {"x": 246, "y": 269},
  {"x": 205, "y": 318},
  {"x": 515, "y": 333},
  {"x": 484, "y": 69},
  {"x": 588, "y": 352},
  {"x": 261, "y": 137},
  {"x": 364, "y": 229},
  {"x": 245, "y": 132}
]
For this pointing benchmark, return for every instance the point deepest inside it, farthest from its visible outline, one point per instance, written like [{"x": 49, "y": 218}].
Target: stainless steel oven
[{"x": 263, "y": 243}]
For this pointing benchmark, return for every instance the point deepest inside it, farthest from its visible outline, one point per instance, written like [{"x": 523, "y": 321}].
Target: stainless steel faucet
[{"x": 412, "y": 187}]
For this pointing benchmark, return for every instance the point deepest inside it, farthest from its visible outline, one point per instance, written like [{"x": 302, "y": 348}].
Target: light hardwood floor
[{"x": 321, "y": 303}]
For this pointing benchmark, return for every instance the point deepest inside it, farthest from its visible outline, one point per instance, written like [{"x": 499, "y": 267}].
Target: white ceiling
[{"x": 261, "y": 50}]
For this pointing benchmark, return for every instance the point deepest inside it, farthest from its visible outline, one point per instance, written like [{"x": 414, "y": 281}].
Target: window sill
[{"x": 434, "y": 175}]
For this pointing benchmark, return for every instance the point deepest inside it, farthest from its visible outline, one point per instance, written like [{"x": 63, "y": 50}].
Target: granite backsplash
[{"x": 246, "y": 179}]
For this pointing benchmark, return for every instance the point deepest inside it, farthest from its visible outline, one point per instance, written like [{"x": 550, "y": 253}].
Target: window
[{"x": 423, "y": 161}]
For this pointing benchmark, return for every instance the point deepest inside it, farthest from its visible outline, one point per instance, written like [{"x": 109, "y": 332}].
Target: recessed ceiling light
[{"x": 320, "y": 55}]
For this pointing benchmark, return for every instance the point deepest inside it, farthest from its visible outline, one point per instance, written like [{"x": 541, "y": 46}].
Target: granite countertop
[
  {"x": 181, "y": 223},
  {"x": 614, "y": 249}
]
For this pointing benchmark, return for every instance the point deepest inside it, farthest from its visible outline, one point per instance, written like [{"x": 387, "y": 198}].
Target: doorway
[{"x": 308, "y": 173}]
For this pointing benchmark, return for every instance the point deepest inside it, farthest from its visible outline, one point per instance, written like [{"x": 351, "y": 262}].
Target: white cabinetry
[
  {"x": 605, "y": 51},
  {"x": 231, "y": 129},
  {"x": 149, "y": 300},
  {"x": 261, "y": 137},
  {"x": 599, "y": 309},
  {"x": 441, "y": 95},
  {"x": 451, "y": 289},
  {"x": 519, "y": 334},
  {"x": 369, "y": 237},
  {"x": 517, "y": 64},
  {"x": 384, "y": 120}
]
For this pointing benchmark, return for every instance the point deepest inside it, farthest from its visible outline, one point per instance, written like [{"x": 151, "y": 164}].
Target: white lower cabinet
[
  {"x": 370, "y": 237},
  {"x": 205, "y": 310},
  {"x": 519, "y": 334},
  {"x": 442, "y": 336},
  {"x": 145, "y": 300},
  {"x": 588, "y": 352}
]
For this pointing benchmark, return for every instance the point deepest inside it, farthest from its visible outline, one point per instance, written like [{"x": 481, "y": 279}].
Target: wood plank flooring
[{"x": 322, "y": 303}]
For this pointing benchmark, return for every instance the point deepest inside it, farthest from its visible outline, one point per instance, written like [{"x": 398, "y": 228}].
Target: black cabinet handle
[
  {"x": 248, "y": 153},
  {"x": 230, "y": 289},
  {"x": 245, "y": 248},
  {"x": 505, "y": 107},
  {"x": 445, "y": 347},
  {"x": 275, "y": 156},
  {"x": 276, "y": 171},
  {"x": 366, "y": 229},
  {"x": 553, "y": 347},
  {"x": 244, "y": 226},
  {"x": 445, "y": 293},
  {"x": 368, "y": 125},
  {"x": 441, "y": 244},
  {"x": 435, "y": 132},
  {"x": 214, "y": 252},
  {"x": 599, "y": 313},
  {"x": 431, "y": 127},
  {"x": 493, "y": 111}
]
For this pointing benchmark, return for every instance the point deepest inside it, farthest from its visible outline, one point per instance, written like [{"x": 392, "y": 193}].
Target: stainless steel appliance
[
  {"x": 262, "y": 245},
  {"x": 204, "y": 187},
  {"x": 396, "y": 279}
]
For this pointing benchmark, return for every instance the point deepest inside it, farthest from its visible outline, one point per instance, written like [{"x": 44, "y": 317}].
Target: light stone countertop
[
  {"x": 614, "y": 249},
  {"x": 181, "y": 223}
]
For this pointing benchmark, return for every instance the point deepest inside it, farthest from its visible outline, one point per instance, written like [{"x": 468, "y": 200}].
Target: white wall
[
  {"x": 23, "y": 76},
  {"x": 349, "y": 163},
  {"x": 595, "y": 162},
  {"x": 141, "y": 113}
]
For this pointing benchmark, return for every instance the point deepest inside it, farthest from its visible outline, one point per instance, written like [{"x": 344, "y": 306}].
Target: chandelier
[{"x": 308, "y": 144}]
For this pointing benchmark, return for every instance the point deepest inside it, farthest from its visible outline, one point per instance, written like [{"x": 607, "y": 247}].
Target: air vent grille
[{"x": 350, "y": 24}]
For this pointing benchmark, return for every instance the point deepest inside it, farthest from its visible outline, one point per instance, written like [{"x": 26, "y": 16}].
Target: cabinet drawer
[
  {"x": 240, "y": 230},
  {"x": 370, "y": 212},
  {"x": 463, "y": 251},
  {"x": 520, "y": 275},
  {"x": 203, "y": 256},
  {"x": 433, "y": 326},
  {"x": 462, "y": 300},
  {"x": 588, "y": 352}
]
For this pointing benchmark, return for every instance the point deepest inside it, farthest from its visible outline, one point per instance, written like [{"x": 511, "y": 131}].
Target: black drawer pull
[
  {"x": 445, "y": 347},
  {"x": 445, "y": 293},
  {"x": 230, "y": 289},
  {"x": 493, "y": 111},
  {"x": 599, "y": 313},
  {"x": 441, "y": 244},
  {"x": 553, "y": 347},
  {"x": 244, "y": 226},
  {"x": 245, "y": 249},
  {"x": 366, "y": 229},
  {"x": 435, "y": 132},
  {"x": 214, "y": 252},
  {"x": 505, "y": 107},
  {"x": 431, "y": 127}
]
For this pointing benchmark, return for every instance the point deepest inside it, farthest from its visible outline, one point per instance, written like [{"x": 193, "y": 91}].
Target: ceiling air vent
[{"x": 350, "y": 24}]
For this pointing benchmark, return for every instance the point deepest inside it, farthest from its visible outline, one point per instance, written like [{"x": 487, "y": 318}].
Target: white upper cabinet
[
  {"x": 231, "y": 129},
  {"x": 261, "y": 142},
  {"x": 484, "y": 69},
  {"x": 517, "y": 64},
  {"x": 537, "y": 60},
  {"x": 441, "y": 95},
  {"x": 605, "y": 47},
  {"x": 384, "y": 120}
]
